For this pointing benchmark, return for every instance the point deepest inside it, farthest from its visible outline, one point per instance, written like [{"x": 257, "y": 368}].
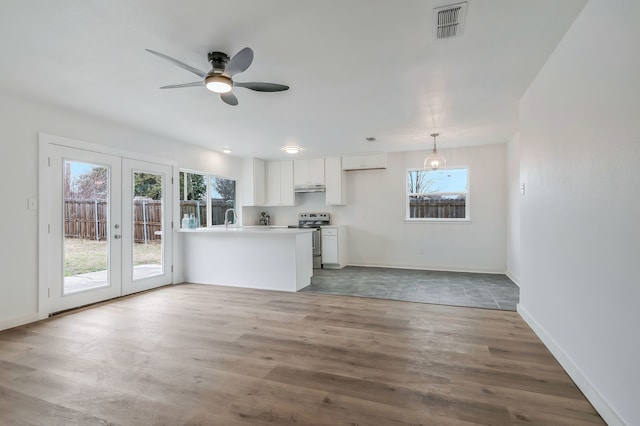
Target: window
[
  {"x": 206, "y": 210},
  {"x": 437, "y": 194},
  {"x": 223, "y": 197}
]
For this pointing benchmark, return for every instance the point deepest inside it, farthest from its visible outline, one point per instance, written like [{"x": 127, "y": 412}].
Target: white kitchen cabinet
[
  {"x": 375, "y": 160},
  {"x": 336, "y": 182},
  {"x": 279, "y": 183},
  {"x": 253, "y": 185},
  {"x": 308, "y": 172},
  {"x": 329, "y": 249},
  {"x": 334, "y": 247}
]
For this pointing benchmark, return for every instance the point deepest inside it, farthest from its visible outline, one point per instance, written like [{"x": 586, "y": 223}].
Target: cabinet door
[
  {"x": 316, "y": 171},
  {"x": 364, "y": 161},
  {"x": 374, "y": 161},
  {"x": 286, "y": 183},
  {"x": 258, "y": 182},
  {"x": 351, "y": 162},
  {"x": 300, "y": 172},
  {"x": 334, "y": 177},
  {"x": 273, "y": 183},
  {"x": 253, "y": 184},
  {"x": 329, "y": 249}
]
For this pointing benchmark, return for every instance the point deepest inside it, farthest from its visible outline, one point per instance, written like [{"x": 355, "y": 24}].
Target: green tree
[
  {"x": 196, "y": 187},
  {"x": 147, "y": 185},
  {"x": 226, "y": 188}
]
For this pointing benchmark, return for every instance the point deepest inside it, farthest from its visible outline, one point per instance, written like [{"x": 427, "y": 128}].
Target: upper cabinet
[
  {"x": 253, "y": 186},
  {"x": 279, "y": 187},
  {"x": 308, "y": 172},
  {"x": 274, "y": 183},
  {"x": 336, "y": 192},
  {"x": 376, "y": 160}
]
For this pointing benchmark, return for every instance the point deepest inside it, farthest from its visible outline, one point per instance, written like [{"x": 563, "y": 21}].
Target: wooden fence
[
  {"x": 440, "y": 209},
  {"x": 85, "y": 219},
  {"x": 88, "y": 219},
  {"x": 199, "y": 211},
  {"x": 196, "y": 208},
  {"x": 147, "y": 221}
]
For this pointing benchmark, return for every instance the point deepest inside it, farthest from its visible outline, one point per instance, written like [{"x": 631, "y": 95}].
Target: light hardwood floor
[{"x": 207, "y": 355}]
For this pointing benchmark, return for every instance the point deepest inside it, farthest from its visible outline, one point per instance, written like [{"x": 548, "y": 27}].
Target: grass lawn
[{"x": 82, "y": 256}]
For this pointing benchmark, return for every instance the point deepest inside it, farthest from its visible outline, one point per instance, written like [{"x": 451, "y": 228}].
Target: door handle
[{"x": 117, "y": 237}]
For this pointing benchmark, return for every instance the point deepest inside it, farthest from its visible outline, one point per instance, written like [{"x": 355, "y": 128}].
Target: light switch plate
[{"x": 33, "y": 203}]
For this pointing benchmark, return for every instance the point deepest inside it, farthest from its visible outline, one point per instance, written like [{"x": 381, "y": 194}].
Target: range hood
[{"x": 310, "y": 188}]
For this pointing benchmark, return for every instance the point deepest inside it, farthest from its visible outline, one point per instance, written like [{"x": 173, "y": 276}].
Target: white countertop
[{"x": 247, "y": 230}]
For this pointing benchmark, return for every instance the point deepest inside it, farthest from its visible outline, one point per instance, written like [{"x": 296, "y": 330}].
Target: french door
[
  {"x": 146, "y": 230},
  {"x": 109, "y": 227}
]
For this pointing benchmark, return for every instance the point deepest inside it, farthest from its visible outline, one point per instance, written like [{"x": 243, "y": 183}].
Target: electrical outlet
[
  {"x": 522, "y": 188},
  {"x": 421, "y": 251}
]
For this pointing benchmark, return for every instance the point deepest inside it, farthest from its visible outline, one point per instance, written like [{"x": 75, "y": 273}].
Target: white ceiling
[{"x": 356, "y": 68}]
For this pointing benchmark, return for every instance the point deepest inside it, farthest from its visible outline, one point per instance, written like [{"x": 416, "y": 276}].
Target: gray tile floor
[{"x": 494, "y": 291}]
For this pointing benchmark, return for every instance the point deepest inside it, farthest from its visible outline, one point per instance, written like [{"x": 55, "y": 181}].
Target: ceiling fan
[{"x": 220, "y": 78}]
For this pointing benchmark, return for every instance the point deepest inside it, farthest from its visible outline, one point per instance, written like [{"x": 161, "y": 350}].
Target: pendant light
[{"x": 435, "y": 161}]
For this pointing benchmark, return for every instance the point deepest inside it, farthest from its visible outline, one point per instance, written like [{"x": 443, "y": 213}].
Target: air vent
[{"x": 449, "y": 20}]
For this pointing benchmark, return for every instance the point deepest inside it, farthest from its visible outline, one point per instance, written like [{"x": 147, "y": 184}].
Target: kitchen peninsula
[{"x": 270, "y": 258}]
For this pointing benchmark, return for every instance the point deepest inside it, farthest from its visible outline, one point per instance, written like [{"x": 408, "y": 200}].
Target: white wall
[
  {"x": 21, "y": 121},
  {"x": 580, "y": 231},
  {"x": 378, "y": 235},
  {"x": 513, "y": 208}
]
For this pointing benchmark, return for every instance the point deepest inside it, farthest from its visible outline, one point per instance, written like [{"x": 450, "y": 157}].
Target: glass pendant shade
[{"x": 435, "y": 161}]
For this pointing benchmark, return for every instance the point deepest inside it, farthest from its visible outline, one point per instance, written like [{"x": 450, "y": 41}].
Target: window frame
[
  {"x": 208, "y": 177},
  {"x": 408, "y": 195}
]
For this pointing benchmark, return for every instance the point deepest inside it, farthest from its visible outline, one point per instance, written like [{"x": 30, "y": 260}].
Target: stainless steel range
[{"x": 315, "y": 220}]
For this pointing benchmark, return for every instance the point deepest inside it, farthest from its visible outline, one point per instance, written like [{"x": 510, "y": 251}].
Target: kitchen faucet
[{"x": 235, "y": 217}]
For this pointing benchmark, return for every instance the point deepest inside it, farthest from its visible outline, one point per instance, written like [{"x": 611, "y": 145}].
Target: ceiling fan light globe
[{"x": 218, "y": 83}]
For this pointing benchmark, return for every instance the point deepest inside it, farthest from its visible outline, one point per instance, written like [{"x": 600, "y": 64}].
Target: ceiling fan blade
[
  {"x": 178, "y": 63},
  {"x": 239, "y": 63},
  {"x": 262, "y": 87},
  {"x": 178, "y": 86},
  {"x": 229, "y": 98}
]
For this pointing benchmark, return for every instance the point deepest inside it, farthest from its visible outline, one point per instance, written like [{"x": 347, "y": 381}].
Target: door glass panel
[
  {"x": 147, "y": 225},
  {"x": 86, "y": 226}
]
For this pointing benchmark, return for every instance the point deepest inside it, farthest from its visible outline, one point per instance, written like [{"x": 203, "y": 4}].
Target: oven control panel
[{"x": 314, "y": 219}]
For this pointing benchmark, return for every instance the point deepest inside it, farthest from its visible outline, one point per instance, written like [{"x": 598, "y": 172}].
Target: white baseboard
[
  {"x": 596, "y": 399},
  {"x": 18, "y": 321},
  {"x": 429, "y": 268}
]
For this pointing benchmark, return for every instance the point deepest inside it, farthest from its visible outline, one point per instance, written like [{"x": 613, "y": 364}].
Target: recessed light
[
  {"x": 226, "y": 151},
  {"x": 370, "y": 139},
  {"x": 291, "y": 149}
]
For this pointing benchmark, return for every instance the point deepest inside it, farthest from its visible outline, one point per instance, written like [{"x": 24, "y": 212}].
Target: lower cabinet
[
  {"x": 334, "y": 247},
  {"x": 330, "y": 249}
]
